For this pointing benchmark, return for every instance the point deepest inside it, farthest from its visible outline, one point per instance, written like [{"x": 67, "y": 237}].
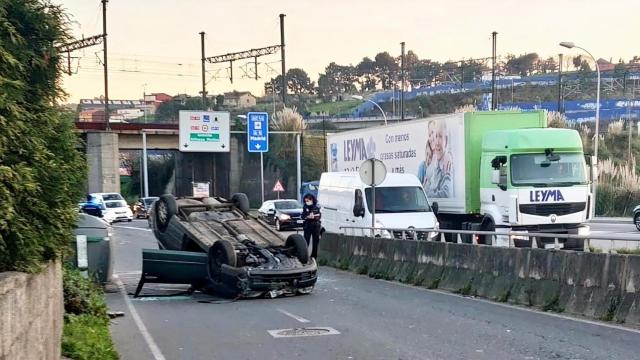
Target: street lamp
[
  {"x": 358, "y": 97},
  {"x": 570, "y": 45}
]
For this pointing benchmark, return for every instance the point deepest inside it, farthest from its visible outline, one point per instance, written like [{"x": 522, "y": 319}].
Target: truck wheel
[
  {"x": 166, "y": 208},
  {"x": 220, "y": 253},
  {"x": 300, "y": 248},
  {"x": 574, "y": 244},
  {"x": 487, "y": 225},
  {"x": 636, "y": 221},
  {"x": 241, "y": 201}
]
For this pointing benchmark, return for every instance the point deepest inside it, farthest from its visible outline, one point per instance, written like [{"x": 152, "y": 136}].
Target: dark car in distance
[
  {"x": 283, "y": 214},
  {"x": 142, "y": 206}
]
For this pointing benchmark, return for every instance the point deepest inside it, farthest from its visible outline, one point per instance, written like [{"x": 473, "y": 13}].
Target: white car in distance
[{"x": 117, "y": 210}]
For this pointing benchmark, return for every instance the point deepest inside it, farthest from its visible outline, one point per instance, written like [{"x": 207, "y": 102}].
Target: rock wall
[{"x": 31, "y": 314}]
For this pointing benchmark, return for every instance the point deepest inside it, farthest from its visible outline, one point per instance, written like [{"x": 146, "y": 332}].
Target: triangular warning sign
[{"x": 278, "y": 187}]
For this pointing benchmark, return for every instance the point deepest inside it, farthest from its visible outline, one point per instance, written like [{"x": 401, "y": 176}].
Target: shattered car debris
[{"x": 215, "y": 244}]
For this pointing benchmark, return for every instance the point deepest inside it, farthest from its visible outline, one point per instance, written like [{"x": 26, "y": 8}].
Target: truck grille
[{"x": 548, "y": 209}]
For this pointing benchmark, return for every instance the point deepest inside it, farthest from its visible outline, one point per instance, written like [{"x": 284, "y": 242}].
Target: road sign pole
[
  {"x": 373, "y": 195},
  {"x": 144, "y": 164},
  {"x": 299, "y": 163},
  {"x": 262, "y": 176}
]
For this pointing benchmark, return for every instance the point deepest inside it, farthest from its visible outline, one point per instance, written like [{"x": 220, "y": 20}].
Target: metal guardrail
[{"x": 411, "y": 234}]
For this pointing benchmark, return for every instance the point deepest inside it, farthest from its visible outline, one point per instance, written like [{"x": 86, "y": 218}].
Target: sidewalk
[{"x": 612, "y": 220}]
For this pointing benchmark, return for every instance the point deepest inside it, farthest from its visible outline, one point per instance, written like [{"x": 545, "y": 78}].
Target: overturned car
[{"x": 215, "y": 244}]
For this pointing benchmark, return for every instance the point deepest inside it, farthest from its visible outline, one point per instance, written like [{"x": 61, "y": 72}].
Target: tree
[
  {"x": 219, "y": 102},
  {"x": 386, "y": 69},
  {"x": 584, "y": 66},
  {"x": 337, "y": 79},
  {"x": 366, "y": 72},
  {"x": 577, "y": 62},
  {"x": 298, "y": 81},
  {"x": 42, "y": 173},
  {"x": 523, "y": 65},
  {"x": 168, "y": 111}
]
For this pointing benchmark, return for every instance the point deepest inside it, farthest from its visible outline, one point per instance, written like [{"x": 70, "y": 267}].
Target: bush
[
  {"x": 82, "y": 296},
  {"x": 41, "y": 171},
  {"x": 86, "y": 323},
  {"x": 86, "y": 337}
]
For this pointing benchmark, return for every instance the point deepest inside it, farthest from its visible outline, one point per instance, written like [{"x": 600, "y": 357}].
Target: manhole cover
[{"x": 300, "y": 332}]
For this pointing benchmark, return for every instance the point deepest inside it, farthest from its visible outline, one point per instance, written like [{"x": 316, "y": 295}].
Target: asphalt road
[
  {"x": 622, "y": 230},
  {"x": 372, "y": 319}
]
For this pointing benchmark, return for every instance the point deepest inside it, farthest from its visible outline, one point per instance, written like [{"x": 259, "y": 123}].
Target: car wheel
[
  {"x": 220, "y": 253},
  {"x": 241, "y": 201},
  {"x": 278, "y": 226},
  {"x": 299, "y": 247},
  {"x": 166, "y": 208},
  {"x": 636, "y": 220},
  {"x": 129, "y": 220}
]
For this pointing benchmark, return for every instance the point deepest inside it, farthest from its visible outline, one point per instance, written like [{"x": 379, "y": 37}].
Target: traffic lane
[
  {"x": 130, "y": 238},
  {"x": 625, "y": 231},
  {"x": 376, "y": 319}
]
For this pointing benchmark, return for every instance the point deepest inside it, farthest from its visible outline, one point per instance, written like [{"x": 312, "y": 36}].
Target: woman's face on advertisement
[{"x": 439, "y": 142}]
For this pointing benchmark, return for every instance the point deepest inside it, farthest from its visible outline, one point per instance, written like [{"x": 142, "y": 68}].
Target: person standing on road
[{"x": 311, "y": 226}]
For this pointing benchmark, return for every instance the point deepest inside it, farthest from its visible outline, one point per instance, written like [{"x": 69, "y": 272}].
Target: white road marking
[
  {"x": 153, "y": 347},
  {"x": 130, "y": 228},
  {"x": 515, "y": 307},
  {"x": 295, "y": 317}
]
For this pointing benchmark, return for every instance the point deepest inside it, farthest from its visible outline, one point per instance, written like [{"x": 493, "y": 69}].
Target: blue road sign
[{"x": 258, "y": 131}]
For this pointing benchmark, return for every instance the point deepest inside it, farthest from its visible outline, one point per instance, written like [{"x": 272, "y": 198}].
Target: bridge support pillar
[{"x": 103, "y": 158}]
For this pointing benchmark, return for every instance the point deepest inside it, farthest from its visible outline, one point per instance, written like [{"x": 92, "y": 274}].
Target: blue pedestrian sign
[{"x": 258, "y": 132}]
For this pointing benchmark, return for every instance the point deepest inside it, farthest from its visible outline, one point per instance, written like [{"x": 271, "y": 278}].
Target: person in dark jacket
[
  {"x": 311, "y": 226},
  {"x": 92, "y": 206}
]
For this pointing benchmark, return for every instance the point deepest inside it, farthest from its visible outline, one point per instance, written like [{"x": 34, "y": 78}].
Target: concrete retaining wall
[
  {"x": 600, "y": 286},
  {"x": 31, "y": 314}
]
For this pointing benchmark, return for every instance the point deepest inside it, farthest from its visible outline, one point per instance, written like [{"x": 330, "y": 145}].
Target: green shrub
[
  {"x": 82, "y": 296},
  {"x": 86, "y": 337},
  {"x": 41, "y": 171}
]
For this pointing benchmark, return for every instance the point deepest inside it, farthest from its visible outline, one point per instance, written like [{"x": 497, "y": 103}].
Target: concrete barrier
[
  {"x": 31, "y": 314},
  {"x": 600, "y": 286}
]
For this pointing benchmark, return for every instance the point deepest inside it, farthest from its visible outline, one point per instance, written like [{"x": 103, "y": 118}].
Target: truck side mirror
[
  {"x": 434, "y": 207},
  {"x": 495, "y": 177},
  {"x": 358, "y": 207}
]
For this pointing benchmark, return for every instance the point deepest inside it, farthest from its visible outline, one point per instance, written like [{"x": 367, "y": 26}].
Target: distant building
[
  {"x": 239, "y": 99},
  {"x": 91, "y": 115},
  {"x": 605, "y": 65}
]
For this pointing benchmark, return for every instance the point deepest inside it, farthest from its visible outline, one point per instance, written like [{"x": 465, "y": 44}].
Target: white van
[{"x": 401, "y": 203}]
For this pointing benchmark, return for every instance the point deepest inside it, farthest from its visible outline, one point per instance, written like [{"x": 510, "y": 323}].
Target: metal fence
[{"x": 472, "y": 236}]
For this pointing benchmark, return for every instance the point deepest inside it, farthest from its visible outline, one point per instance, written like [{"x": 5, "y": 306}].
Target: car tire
[
  {"x": 129, "y": 220},
  {"x": 220, "y": 253},
  {"x": 166, "y": 208},
  {"x": 299, "y": 247},
  {"x": 278, "y": 225},
  {"x": 241, "y": 201},
  {"x": 636, "y": 220}
]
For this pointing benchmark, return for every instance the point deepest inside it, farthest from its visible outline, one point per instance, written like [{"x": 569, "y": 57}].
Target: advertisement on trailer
[{"x": 432, "y": 149}]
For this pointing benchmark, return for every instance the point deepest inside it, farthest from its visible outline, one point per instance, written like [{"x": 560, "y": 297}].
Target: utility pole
[
  {"x": 494, "y": 95},
  {"x": 402, "y": 76},
  {"x": 106, "y": 69},
  {"x": 560, "y": 83},
  {"x": 204, "y": 85},
  {"x": 282, "y": 56}
]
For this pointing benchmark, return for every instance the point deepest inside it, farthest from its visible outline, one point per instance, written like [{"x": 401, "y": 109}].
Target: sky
[{"x": 154, "y": 45}]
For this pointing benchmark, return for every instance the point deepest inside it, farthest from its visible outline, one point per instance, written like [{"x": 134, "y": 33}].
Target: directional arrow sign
[{"x": 258, "y": 132}]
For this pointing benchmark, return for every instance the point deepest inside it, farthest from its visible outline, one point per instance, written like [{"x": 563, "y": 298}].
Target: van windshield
[{"x": 398, "y": 199}]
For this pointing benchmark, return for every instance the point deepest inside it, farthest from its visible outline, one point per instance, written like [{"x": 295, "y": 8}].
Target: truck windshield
[
  {"x": 398, "y": 199},
  {"x": 537, "y": 170}
]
